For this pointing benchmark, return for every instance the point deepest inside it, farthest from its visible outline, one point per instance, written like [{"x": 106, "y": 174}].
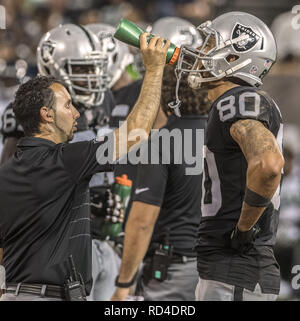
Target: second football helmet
[
  {"x": 72, "y": 54},
  {"x": 286, "y": 35},
  {"x": 117, "y": 52},
  {"x": 177, "y": 30}
]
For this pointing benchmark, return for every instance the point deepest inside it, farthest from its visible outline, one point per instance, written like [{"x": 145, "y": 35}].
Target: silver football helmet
[
  {"x": 236, "y": 44},
  {"x": 72, "y": 54},
  {"x": 179, "y": 31},
  {"x": 286, "y": 34},
  {"x": 117, "y": 52}
]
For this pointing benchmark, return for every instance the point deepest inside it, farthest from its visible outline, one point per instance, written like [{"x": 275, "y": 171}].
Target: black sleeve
[
  {"x": 10, "y": 127},
  {"x": 151, "y": 180},
  {"x": 151, "y": 183},
  {"x": 84, "y": 159}
]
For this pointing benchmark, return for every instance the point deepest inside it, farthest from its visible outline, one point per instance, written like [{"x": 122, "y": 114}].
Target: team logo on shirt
[{"x": 245, "y": 44}]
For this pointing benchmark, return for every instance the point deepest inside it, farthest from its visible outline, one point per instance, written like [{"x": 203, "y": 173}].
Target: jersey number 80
[{"x": 228, "y": 110}]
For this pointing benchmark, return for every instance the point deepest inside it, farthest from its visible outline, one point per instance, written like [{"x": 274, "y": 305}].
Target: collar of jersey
[{"x": 35, "y": 142}]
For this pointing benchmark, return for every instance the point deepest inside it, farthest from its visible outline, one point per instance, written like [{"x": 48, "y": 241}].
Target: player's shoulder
[
  {"x": 10, "y": 127},
  {"x": 241, "y": 92},
  {"x": 244, "y": 102}
]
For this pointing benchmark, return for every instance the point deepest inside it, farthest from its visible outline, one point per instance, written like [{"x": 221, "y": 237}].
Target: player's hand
[
  {"x": 242, "y": 242},
  {"x": 120, "y": 294},
  {"x": 154, "y": 54}
]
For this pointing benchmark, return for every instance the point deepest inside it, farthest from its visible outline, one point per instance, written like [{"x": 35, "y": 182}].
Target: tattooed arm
[
  {"x": 265, "y": 163},
  {"x": 144, "y": 112}
]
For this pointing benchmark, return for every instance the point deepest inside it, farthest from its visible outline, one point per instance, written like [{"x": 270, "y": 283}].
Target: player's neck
[
  {"x": 52, "y": 138},
  {"x": 50, "y": 134},
  {"x": 216, "y": 92}
]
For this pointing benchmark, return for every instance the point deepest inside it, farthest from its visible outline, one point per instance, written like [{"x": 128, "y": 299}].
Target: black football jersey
[
  {"x": 10, "y": 127},
  {"x": 225, "y": 167},
  {"x": 125, "y": 99},
  {"x": 96, "y": 117}
]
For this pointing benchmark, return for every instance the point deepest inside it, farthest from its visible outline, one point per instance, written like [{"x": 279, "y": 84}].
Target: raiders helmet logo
[
  {"x": 246, "y": 44},
  {"x": 47, "y": 50}
]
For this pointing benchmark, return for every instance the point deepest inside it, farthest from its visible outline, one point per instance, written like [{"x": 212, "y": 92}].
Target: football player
[{"x": 243, "y": 159}]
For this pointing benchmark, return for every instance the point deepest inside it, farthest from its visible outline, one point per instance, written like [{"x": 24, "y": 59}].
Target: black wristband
[
  {"x": 123, "y": 284},
  {"x": 253, "y": 199}
]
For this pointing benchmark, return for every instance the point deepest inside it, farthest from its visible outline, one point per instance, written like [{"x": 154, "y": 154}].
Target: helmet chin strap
[{"x": 175, "y": 105}]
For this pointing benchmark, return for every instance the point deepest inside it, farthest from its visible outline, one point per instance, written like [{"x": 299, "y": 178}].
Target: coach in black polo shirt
[{"x": 44, "y": 213}]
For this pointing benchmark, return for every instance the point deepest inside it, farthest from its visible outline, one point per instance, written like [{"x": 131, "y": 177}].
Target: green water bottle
[
  {"x": 129, "y": 33},
  {"x": 114, "y": 221}
]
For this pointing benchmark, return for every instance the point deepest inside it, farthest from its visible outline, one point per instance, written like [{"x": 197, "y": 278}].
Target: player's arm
[
  {"x": 265, "y": 163},
  {"x": 9, "y": 148},
  {"x": 138, "y": 232},
  {"x": 145, "y": 110}
]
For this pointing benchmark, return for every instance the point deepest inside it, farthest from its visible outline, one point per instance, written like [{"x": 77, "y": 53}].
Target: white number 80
[{"x": 227, "y": 111}]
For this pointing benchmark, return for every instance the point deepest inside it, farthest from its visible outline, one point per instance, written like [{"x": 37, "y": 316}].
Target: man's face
[{"x": 65, "y": 114}]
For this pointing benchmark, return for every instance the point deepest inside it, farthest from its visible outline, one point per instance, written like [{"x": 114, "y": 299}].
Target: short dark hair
[
  {"x": 193, "y": 101},
  {"x": 30, "y": 98}
]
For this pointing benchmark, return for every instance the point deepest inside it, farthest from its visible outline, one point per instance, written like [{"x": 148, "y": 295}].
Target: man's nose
[{"x": 75, "y": 113}]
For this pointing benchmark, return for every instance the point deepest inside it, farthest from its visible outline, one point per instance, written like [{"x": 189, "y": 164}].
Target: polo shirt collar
[{"x": 35, "y": 142}]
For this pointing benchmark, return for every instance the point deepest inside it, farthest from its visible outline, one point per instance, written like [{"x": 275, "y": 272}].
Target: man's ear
[{"x": 46, "y": 115}]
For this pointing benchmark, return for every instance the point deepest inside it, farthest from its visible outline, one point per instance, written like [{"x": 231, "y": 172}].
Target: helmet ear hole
[
  {"x": 232, "y": 58},
  {"x": 115, "y": 57}
]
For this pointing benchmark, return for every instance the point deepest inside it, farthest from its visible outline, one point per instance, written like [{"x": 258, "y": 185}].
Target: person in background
[{"x": 165, "y": 209}]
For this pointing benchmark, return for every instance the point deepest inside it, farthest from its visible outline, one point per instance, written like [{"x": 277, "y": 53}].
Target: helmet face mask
[
  {"x": 86, "y": 79},
  {"x": 72, "y": 54}
]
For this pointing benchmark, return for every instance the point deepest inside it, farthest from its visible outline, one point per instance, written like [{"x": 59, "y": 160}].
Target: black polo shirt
[{"x": 44, "y": 212}]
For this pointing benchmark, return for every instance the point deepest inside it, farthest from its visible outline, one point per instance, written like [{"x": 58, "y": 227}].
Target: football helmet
[
  {"x": 117, "y": 52},
  {"x": 177, "y": 30},
  {"x": 72, "y": 54},
  {"x": 286, "y": 35},
  {"x": 236, "y": 44}
]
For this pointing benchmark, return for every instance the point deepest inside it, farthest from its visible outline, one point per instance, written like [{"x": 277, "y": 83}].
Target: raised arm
[
  {"x": 265, "y": 163},
  {"x": 145, "y": 110}
]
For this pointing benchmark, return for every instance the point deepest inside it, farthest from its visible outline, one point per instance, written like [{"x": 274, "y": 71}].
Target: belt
[
  {"x": 182, "y": 259},
  {"x": 43, "y": 290}
]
